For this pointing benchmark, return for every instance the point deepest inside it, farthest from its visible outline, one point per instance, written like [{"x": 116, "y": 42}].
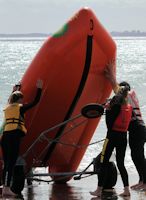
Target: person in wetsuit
[
  {"x": 118, "y": 116},
  {"x": 137, "y": 128},
  {"x": 13, "y": 131}
]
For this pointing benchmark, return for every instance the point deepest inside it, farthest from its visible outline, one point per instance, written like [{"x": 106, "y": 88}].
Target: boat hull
[{"x": 71, "y": 64}]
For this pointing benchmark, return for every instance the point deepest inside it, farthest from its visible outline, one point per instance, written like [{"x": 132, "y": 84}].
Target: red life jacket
[
  {"x": 122, "y": 121},
  {"x": 133, "y": 101}
]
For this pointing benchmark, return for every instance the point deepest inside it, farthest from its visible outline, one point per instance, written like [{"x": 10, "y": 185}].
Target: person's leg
[
  {"x": 13, "y": 155},
  {"x": 142, "y": 131},
  {"x": 13, "y": 143},
  {"x": 137, "y": 155},
  {"x": 120, "y": 155},
  {"x": 5, "y": 147},
  {"x": 105, "y": 156},
  {"x": 140, "y": 157}
]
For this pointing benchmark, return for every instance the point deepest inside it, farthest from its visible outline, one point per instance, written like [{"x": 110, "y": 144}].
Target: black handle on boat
[{"x": 92, "y": 110}]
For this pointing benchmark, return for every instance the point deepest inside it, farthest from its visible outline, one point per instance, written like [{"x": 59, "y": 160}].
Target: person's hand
[
  {"x": 17, "y": 87},
  {"x": 39, "y": 83}
]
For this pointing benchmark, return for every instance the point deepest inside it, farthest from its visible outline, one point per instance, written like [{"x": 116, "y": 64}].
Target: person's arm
[
  {"x": 110, "y": 75},
  {"x": 28, "y": 106},
  {"x": 2, "y": 127}
]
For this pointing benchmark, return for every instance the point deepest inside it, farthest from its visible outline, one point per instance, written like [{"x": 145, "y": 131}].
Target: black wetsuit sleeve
[
  {"x": 28, "y": 106},
  {"x": 111, "y": 116}
]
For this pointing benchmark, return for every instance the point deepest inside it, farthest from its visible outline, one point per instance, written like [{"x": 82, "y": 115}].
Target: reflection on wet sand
[
  {"x": 53, "y": 192},
  {"x": 64, "y": 192},
  {"x": 112, "y": 195}
]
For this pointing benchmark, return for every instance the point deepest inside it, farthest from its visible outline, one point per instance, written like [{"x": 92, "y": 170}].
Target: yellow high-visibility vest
[{"x": 13, "y": 119}]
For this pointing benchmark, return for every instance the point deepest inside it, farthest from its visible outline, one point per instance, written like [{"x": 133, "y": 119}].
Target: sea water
[{"x": 17, "y": 53}]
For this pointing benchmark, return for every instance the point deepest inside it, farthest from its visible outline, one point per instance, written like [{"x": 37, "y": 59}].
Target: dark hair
[
  {"x": 126, "y": 84},
  {"x": 15, "y": 96},
  {"x": 116, "y": 100},
  {"x": 123, "y": 91},
  {"x": 120, "y": 97}
]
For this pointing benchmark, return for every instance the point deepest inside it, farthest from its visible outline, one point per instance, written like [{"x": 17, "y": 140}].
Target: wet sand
[{"x": 76, "y": 190}]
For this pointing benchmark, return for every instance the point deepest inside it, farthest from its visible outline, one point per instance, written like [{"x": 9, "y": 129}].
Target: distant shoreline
[
  {"x": 24, "y": 35},
  {"x": 128, "y": 34},
  {"x": 113, "y": 33}
]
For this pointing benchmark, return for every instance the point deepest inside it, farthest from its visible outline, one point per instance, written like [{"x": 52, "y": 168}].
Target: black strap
[
  {"x": 135, "y": 108},
  {"x": 14, "y": 119}
]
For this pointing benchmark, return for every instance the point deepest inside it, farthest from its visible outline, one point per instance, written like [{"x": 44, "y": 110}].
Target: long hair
[{"x": 120, "y": 97}]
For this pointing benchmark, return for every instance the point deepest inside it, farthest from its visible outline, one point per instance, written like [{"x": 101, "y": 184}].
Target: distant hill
[
  {"x": 25, "y": 35},
  {"x": 128, "y": 33},
  {"x": 113, "y": 33}
]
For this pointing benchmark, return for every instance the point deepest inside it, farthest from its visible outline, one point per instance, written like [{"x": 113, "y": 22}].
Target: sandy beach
[{"x": 76, "y": 190}]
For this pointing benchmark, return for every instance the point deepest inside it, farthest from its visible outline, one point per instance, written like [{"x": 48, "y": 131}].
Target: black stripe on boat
[{"x": 76, "y": 98}]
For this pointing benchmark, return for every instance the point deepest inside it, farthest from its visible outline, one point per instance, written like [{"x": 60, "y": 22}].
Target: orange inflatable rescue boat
[{"x": 71, "y": 64}]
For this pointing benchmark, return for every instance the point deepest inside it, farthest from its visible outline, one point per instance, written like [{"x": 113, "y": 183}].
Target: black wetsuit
[
  {"x": 11, "y": 142},
  {"x": 114, "y": 139},
  {"x": 137, "y": 138}
]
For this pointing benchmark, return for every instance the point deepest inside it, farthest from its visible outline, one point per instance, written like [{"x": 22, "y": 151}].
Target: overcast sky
[{"x": 47, "y": 16}]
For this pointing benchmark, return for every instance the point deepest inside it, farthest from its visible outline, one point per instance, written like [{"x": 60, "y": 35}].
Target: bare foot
[
  {"x": 8, "y": 192},
  {"x": 96, "y": 193},
  {"x": 142, "y": 187},
  {"x": 125, "y": 194},
  {"x": 136, "y": 186}
]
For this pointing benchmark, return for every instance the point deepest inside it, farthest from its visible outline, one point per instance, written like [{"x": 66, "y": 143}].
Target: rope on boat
[
  {"x": 43, "y": 136},
  {"x": 80, "y": 146},
  {"x": 57, "y": 140},
  {"x": 61, "y": 175}
]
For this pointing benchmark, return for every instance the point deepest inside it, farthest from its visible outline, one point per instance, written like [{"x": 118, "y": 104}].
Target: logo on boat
[{"x": 61, "y": 31}]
